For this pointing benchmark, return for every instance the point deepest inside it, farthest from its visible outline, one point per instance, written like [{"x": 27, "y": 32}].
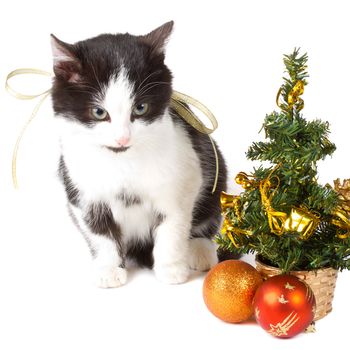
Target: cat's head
[{"x": 111, "y": 87}]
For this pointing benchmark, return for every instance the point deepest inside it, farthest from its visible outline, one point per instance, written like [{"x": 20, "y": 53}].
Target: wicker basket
[{"x": 322, "y": 283}]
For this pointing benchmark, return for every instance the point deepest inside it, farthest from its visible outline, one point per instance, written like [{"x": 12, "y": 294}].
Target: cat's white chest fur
[{"x": 161, "y": 169}]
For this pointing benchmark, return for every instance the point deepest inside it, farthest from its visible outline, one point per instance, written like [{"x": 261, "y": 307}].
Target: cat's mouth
[{"x": 117, "y": 149}]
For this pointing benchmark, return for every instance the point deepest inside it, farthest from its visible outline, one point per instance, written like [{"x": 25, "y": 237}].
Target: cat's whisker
[
  {"x": 97, "y": 80},
  {"x": 147, "y": 77},
  {"x": 146, "y": 85},
  {"x": 152, "y": 85}
]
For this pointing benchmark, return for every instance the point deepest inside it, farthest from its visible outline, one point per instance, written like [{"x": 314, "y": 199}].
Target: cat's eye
[
  {"x": 99, "y": 113},
  {"x": 140, "y": 109}
]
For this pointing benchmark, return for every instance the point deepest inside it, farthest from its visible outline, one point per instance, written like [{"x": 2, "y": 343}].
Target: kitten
[{"x": 138, "y": 178}]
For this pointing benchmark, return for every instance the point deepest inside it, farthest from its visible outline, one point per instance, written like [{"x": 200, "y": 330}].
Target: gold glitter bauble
[{"x": 229, "y": 289}]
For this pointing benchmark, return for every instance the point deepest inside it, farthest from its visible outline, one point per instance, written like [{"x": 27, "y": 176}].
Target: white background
[{"x": 226, "y": 54}]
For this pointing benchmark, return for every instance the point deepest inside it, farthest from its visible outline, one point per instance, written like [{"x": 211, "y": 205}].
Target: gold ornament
[
  {"x": 229, "y": 289},
  {"x": 245, "y": 180},
  {"x": 228, "y": 200},
  {"x": 303, "y": 221}
]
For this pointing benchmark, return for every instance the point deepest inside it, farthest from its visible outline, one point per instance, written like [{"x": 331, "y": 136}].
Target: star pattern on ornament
[
  {"x": 257, "y": 313},
  {"x": 282, "y": 300},
  {"x": 289, "y": 286},
  {"x": 310, "y": 328},
  {"x": 283, "y": 327}
]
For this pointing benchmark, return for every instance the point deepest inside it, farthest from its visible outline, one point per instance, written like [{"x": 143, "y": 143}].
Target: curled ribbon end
[
  {"x": 21, "y": 96},
  {"x": 14, "y": 173}
]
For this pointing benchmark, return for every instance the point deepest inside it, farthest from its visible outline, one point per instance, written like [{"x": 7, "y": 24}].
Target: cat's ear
[
  {"x": 66, "y": 65},
  {"x": 158, "y": 38}
]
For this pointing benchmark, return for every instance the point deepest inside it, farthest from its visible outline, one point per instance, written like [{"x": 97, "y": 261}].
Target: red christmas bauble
[{"x": 284, "y": 306}]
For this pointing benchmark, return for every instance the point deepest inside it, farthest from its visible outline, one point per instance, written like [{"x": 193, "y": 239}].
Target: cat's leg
[
  {"x": 104, "y": 239},
  {"x": 202, "y": 254},
  {"x": 203, "y": 250},
  {"x": 171, "y": 247}
]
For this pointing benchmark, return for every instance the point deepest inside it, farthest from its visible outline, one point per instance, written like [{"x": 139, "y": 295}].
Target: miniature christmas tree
[{"x": 284, "y": 215}]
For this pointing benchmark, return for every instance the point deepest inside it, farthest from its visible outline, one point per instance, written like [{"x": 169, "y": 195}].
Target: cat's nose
[{"x": 123, "y": 141}]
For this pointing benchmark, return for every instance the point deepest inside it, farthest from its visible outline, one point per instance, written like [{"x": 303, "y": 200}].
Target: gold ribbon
[
  {"x": 344, "y": 193},
  {"x": 342, "y": 221},
  {"x": 179, "y": 102},
  {"x": 228, "y": 229},
  {"x": 293, "y": 97},
  {"x": 276, "y": 219},
  {"x": 341, "y": 214},
  {"x": 232, "y": 232},
  {"x": 21, "y": 96}
]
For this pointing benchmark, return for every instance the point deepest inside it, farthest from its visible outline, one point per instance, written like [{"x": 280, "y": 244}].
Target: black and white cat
[{"x": 137, "y": 177}]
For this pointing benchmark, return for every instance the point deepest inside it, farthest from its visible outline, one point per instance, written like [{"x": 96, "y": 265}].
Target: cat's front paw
[
  {"x": 172, "y": 273},
  {"x": 109, "y": 276},
  {"x": 203, "y": 254}
]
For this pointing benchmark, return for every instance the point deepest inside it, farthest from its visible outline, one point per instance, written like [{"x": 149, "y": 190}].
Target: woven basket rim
[{"x": 301, "y": 271}]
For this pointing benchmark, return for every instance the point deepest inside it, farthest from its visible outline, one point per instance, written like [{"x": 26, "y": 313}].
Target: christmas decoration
[
  {"x": 342, "y": 213},
  {"x": 229, "y": 289},
  {"x": 283, "y": 214},
  {"x": 284, "y": 306},
  {"x": 321, "y": 281}
]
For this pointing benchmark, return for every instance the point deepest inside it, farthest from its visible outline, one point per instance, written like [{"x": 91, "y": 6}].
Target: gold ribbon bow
[
  {"x": 179, "y": 102},
  {"x": 342, "y": 221},
  {"x": 234, "y": 233},
  {"x": 342, "y": 213},
  {"x": 276, "y": 219},
  {"x": 293, "y": 98}
]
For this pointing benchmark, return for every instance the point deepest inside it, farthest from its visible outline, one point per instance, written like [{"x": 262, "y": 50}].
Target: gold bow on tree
[
  {"x": 341, "y": 215},
  {"x": 275, "y": 218},
  {"x": 293, "y": 97},
  {"x": 228, "y": 228}
]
